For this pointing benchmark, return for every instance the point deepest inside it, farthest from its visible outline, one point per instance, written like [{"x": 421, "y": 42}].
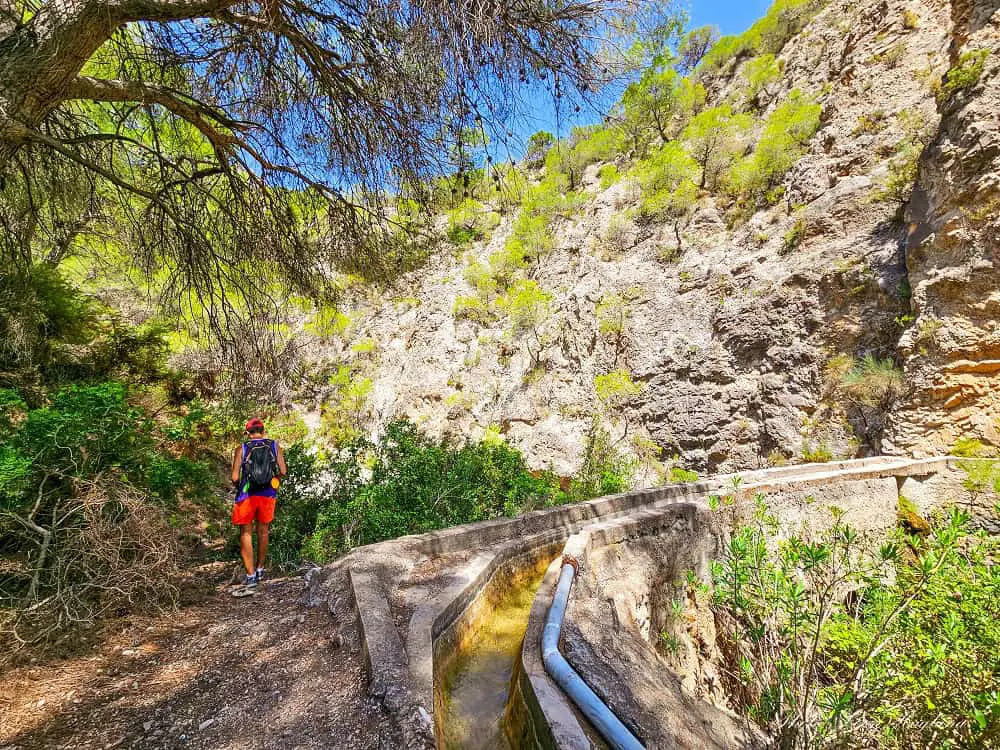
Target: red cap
[{"x": 255, "y": 422}]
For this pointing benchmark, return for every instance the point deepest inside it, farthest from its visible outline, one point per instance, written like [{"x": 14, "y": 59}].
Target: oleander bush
[{"x": 836, "y": 639}]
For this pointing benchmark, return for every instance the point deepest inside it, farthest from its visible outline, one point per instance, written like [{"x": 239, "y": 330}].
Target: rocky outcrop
[
  {"x": 952, "y": 351},
  {"x": 729, "y": 325}
]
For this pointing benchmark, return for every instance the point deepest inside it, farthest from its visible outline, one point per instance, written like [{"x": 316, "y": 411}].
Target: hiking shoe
[
  {"x": 250, "y": 581},
  {"x": 260, "y": 575}
]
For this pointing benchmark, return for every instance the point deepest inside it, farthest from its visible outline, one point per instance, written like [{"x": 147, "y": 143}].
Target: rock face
[
  {"x": 952, "y": 352},
  {"x": 730, "y": 325}
]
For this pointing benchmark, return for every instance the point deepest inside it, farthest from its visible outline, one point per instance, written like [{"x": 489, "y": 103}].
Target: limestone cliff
[
  {"x": 952, "y": 352},
  {"x": 730, "y": 324}
]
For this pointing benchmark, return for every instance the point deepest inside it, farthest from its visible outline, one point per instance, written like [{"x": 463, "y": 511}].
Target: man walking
[{"x": 257, "y": 465}]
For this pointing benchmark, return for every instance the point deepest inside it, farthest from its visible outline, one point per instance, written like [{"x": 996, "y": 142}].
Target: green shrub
[
  {"x": 760, "y": 72},
  {"x": 538, "y": 148},
  {"x": 526, "y": 304},
  {"x": 418, "y": 484},
  {"x": 791, "y": 239},
  {"x": 616, "y": 388},
  {"x": 667, "y": 179},
  {"x": 969, "y": 448},
  {"x": 871, "y": 122},
  {"x": 781, "y": 144},
  {"x": 768, "y": 35},
  {"x": 658, "y": 105},
  {"x": 911, "y": 20},
  {"x": 714, "y": 138},
  {"x": 605, "y": 469},
  {"x": 345, "y": 415},
  {"x": 837, "y": 640},
  {"x": 471, "y": 308},
  {"x": 819, "y": 454},
  {"x": 608, "y": 175},
  {"x": 85, "y": 495},
  {"x": 469, "y": 222},
  {"x": 964, "y": 75},
  {"x": 891, "y": 57},
  {"x": 680, "y": 475}
]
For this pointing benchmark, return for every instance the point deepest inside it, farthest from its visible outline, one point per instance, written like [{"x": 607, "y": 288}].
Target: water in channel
[{"x": 477, "y": 682}]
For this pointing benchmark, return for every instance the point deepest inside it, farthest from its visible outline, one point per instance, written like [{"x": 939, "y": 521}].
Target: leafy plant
[
  {"x": 680, "y": 475},
  {"x": 715, "y": 137},
  {"x": 964, "y": 75},
  {"x": 667, "y": 180},
  {"x": 837, "y": 640},
  {"x": 781, "y": 144}
]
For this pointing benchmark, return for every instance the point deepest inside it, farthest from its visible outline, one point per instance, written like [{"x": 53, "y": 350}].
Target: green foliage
[
  {"x": 538, "y": 147},
  {"x": 616, "y": 388},
  {"x": 608, "y": 175},
  {"x": 760, "y": 72},
  {"x": 471, "y": 308},
  {"x": 715, "y": 138},
  {"x": 819, "y": 454},
  {"x": 658, "y": 105},
  {"x": 694, "y": 46},
  {"x": 667, "y": 179},
  {"x": 680, "y": 475},
  {"x": 791, "y": 239},
  {"x": 911, "y": 20},
  {"x": 891, "y": 56},
  {"x": 782, "y": 142},
  {"x": 838, "y": 640},
  {"x": 417, "y": 484},
  {"x": 612, "y": 312},
  {"x": 967, "y": 447},
  {"x": 526, "y": 305},
  {"x": 53, "y": 333},
  {"x": 328, "y": 322},
  {"x": 85, "y": 491},
  {"x": 871, "y": 122},
  {"x": 767, "y": 35},
  {"x": 964, "y": 75},
  {"x": 873, "y": 382},
  {"x": 344, "y": 416},
  {"x": 605, "y": 469},
  {"x": 902, "y": 175},
  {"x": 469, "y": 222}
]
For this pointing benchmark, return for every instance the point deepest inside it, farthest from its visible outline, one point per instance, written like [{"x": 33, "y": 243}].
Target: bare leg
[
  {"x": 263, "y": 532},
  {"x": 246, "y": 547}
]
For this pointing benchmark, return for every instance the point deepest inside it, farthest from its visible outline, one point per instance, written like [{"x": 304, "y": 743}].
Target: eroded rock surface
[{"x": 731, "y": 324}]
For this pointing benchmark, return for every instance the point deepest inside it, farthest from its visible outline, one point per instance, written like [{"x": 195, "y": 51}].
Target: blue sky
[{"x": 731, "y": 16}]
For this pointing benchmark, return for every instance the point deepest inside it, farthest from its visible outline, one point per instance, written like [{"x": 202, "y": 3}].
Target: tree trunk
[{"x": 39, "y": 59}]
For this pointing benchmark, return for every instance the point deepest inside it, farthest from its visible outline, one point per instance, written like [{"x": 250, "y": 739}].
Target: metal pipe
[{"x": 610, "y": 726}]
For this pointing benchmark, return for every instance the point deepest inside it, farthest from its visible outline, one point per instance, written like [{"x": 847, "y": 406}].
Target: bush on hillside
[
  {"x": 715, "y": 138},
  {"x": 418, "y": 484},
  {"x": 667, "y": 180},
  {"x": 657, "y": 106},
  {"x": 768, "y": 35},
  {"x": 832, "y": 639},
  {"x": 782, "y": 143},
  {"x": 86, "y": 495},
  {"x": 964, "y": 75}
]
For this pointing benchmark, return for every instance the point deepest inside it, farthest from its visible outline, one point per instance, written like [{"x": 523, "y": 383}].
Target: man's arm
[
  {"x": 237, "y": 455},
  {"x": 282, "y": 467}
]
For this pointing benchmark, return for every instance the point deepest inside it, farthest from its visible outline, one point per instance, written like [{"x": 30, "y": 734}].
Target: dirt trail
[{"x": 260, "y": 672}]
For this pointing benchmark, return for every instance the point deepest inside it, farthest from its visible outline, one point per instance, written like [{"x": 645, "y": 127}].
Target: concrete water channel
[
  {"x": 476, "y": 674},
  {"x": 451, "y": 622}
]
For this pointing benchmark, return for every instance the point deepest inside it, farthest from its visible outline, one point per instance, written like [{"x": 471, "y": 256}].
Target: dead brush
[{"x": 103, "y": 552}]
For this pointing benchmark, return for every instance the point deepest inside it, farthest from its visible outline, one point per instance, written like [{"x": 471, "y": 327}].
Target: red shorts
[{"x": 254, "y": 508}]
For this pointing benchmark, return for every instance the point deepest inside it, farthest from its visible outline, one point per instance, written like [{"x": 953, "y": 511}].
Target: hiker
[{"x": 257, "y": 466}]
